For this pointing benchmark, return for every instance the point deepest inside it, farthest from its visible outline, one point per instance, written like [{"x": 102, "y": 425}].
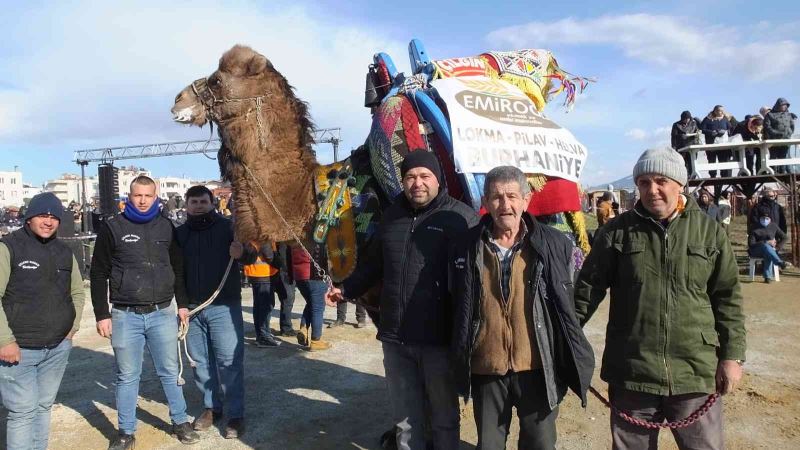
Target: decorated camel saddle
[{"x": 474, "y": 113}]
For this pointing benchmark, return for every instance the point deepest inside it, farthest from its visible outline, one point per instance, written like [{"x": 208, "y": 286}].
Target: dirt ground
[{"x": 337, "y": 399}]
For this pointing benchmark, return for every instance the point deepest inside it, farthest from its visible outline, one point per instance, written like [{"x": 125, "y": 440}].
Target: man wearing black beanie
[
  {"x": 42, "y": 296},
  {"x": 409, "y": 254}
]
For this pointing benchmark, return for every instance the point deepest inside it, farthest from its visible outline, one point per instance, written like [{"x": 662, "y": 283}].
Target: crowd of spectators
[{"x": 719, "y": 126}]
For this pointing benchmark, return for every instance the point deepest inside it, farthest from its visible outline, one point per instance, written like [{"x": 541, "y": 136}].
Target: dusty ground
[{"x": 337, "y": 399}]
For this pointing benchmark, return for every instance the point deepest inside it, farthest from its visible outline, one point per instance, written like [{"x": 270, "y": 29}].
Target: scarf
[
  {"x": 201, "y": 221},
  {"x": 135, "y": 216}
]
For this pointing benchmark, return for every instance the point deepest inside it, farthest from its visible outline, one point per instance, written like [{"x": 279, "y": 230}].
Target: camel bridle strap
[{"x": 209, "y": 100}]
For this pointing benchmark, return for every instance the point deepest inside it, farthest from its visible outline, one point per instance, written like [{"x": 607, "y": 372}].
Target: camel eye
[{"x": 215, "y": 82}]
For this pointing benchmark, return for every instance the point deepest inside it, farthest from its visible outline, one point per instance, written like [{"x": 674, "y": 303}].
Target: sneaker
[
  {"x": 361, "y": 323},
  {"x": 185, "y": 433},
  {"x": 123, "y": 442},
  {"x": 288, "y": 333},
  {"x": 336, "y": 323},
  {"x": 267, "y": 340},
  {"x": 206, "y": 419},
  {"x": 318, "y": 345},
  {"x": 234, "y": 429},
  {"x": 302, "y": 337}
]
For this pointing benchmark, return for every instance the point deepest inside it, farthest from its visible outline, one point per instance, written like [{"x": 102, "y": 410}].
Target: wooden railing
[{"x": 739, "y": 164}]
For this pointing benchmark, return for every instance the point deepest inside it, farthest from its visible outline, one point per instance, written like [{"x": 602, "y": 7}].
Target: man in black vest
[
  {"x": 137, "y": 259},
  {"x": 42, "y": 294},
  {"x": 216, "y": 334}
]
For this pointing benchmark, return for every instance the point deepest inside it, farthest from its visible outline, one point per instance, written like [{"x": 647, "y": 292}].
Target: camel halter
[{"x": 209, "y": 100}]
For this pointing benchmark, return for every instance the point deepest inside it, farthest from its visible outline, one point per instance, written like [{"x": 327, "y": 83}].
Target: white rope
[{"x": 183, "y": 329}]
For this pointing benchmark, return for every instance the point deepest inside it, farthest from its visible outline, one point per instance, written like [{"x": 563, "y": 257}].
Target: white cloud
[
  {"x": 670, "y": 42},
  {"x": 637, "y": 134},
  {"x": 107, "y": 73}
]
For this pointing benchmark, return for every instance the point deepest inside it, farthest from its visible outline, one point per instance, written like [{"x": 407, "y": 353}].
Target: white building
[
  {"x": 68, "y": 188},
  {"x": 171, "y": 186},
  {"x": 29, "y": 191},
  {"x": 11, "y": 188}
]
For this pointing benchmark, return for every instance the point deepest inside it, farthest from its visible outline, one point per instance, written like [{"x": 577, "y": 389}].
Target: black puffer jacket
[
  {"x": 566, "y": 355},
  {"x": 409, "y": 253}
]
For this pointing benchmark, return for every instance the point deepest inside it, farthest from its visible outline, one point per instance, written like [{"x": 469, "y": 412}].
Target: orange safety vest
[{"x": 260, "y": 269}]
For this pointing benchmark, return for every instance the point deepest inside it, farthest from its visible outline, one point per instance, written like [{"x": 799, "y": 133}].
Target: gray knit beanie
[{"x": 661, "y": 161}]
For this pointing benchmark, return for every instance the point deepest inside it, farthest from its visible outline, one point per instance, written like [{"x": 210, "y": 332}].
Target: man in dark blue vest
[
  {"x": 216, "y": 334},
  {"x": 42, "y": 294},
  {"x": 137, "y": 259}
]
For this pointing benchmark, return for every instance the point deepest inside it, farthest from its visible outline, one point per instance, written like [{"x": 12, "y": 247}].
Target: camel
[{"x": 266, "y": 136}]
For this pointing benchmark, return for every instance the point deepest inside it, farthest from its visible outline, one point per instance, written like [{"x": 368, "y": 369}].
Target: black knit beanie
[{"x": 421, "y": 158}]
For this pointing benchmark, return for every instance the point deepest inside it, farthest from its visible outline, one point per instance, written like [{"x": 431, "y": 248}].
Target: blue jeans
[
  {"x": 314, "y": 293},
  {"x": 769, "y": 255},
  {"x": 129, "y": 334},
  {"x": 419, "y": 375},
  {"x": 29, "y": 389},
  {"x": 264, "y": 302},
  {"x": 216, "y": 344}
]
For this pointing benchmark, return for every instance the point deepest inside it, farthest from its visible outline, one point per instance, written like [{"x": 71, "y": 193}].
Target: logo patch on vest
[
  {"x": 460, "y": 263},
  {"x": 130, "y": 238},
  {"x": 29, "y": 265}
]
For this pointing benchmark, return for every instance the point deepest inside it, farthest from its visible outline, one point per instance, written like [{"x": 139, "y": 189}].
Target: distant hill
[{"x": 623, "y": 183}]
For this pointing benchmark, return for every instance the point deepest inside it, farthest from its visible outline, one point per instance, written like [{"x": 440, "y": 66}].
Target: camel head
[{"x": 266, "y": 137}]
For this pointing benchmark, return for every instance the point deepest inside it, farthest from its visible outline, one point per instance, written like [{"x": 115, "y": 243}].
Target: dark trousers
[
  {"x": 341, "y": 312},
  {"x": 418, "y": 376},
  {"x": 495, "y": 395},
  {"x": 779, "y": 153},
  {"x": 704, "y": 434},
  {"x": 719, "y": 156},
  {"x": 264, "y": 302}
]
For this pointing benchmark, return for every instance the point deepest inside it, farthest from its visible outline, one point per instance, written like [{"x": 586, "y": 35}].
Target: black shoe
[
  {"x": 361, "y": 324},
  {"x": 234, "y": 429},
  {"x": 123, "y": 442},
  {"x": 185, "y": 433},
  {"x": 267, "y": 340},
  {"x": 336, "y": 323},
  {"x": 768, "y": 280},
  {"x": 288, "y": 333}
]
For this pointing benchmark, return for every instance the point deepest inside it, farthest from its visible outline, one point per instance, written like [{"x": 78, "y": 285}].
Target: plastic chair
[{"x": 775, "y": 269}]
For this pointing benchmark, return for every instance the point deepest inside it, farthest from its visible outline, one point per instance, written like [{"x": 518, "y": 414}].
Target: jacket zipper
[
  {"x": 666, "y": 310},
  {"x": 403, "y": 274}
]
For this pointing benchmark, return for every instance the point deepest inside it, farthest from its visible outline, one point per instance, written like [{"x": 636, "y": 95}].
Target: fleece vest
[
  {"x": 507, "y": 337},
  {"x": 38, "y": 300},
  {"x": 141, "y": 271}
]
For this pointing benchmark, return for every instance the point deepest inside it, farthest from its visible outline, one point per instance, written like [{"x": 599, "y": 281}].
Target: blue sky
[{"x": 93, "y": 74}]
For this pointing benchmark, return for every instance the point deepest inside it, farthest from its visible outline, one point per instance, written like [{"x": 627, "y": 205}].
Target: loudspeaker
[{"x": 107, "y": 182}]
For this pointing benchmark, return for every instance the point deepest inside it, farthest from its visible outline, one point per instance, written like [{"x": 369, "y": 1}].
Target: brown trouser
[{"x": 704, "y": 434}]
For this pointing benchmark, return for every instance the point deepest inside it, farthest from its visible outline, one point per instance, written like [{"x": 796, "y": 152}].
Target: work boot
[
  {"x": 336, "y": 323},
  {"x": 185, "y": 433},
  {"x": 235, "y": 428},
  {"x": 123, "y": 442},
  {"x": 268, "y": 340},
  {"x": 318, "y": 345},
  {"x": 206, "y": 419},
  {"x": 302, "y": 336},
  {"x": 288, "y": 333}
]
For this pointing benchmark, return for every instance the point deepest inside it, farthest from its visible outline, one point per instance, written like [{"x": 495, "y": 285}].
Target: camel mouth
[{"x": 184, "y": 115}]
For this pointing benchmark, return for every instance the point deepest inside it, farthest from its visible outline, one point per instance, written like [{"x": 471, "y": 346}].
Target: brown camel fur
[{"x": 284, "y": 165}]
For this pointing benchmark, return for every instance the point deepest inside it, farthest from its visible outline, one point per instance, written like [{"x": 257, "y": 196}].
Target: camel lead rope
[
  {"x": 683, "y": 423},
  {"x": 183, "y": 328}
]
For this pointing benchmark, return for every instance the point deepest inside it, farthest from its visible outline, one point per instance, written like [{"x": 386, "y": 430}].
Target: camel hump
[{"x": 242, "y": 60}]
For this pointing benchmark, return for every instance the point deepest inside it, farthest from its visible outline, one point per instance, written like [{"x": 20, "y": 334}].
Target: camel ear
[{"x": 257, "y": 65}]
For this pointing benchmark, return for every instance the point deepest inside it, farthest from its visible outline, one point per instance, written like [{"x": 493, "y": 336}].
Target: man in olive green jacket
[{"x": 676, "y": 329}]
